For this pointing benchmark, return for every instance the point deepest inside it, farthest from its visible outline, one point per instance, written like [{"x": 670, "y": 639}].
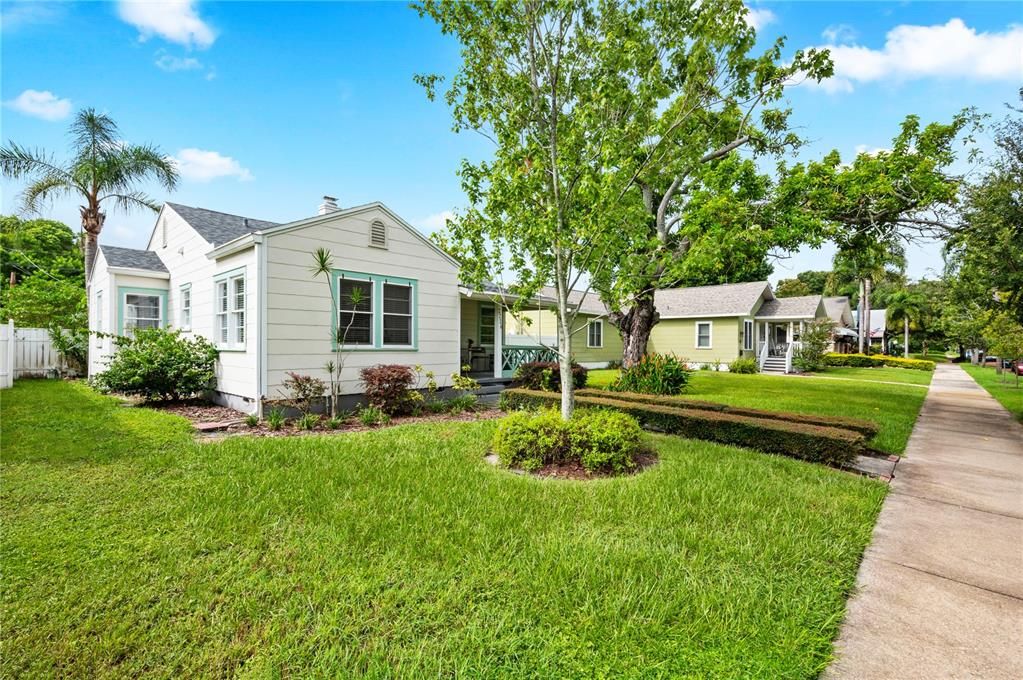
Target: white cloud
[
  {"x": 950, "y": 50},
  {"x": 870, "y": 150},
  {"x": 173, "y": 20},
  {"x": 758, "y": 17},
  {"x": 14, "y": 15},
  {"x": 436, "y": 221},
  {"x": 204, "y": 166},
  {"x": 168, "y": 62},
  {"x": 44, "y": 105},
  {"x": 836, "y": 34}
]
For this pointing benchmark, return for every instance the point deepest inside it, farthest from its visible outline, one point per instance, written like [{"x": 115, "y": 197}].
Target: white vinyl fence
[{"x": 25, "y": 352}]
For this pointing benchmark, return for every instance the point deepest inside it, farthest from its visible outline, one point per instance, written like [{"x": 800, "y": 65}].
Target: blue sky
[{"x": 268, "y": 106}]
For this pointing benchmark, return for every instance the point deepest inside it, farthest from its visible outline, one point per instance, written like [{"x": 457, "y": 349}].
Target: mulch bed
[
  {"x": 352, "y": 424},
  {"x": 198, "y": 411}
]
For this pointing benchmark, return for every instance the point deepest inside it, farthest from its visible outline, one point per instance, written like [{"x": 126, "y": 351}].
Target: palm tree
[
  {"x": 103, "y": 169},
  {"x": 905, "y": 306},
  {"x": 867, "y": 260}
]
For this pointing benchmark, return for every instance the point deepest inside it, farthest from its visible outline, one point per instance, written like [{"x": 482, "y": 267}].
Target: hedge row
[
  {"x": 864, "y": 427},
  {"x": 874, "y": 360},
  {"x": 830, "y": 445}
]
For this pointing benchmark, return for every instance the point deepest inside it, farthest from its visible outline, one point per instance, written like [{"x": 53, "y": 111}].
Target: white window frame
[
  {"x": 99, "y": 318},
  {"x": 185, "y": 311},
  {"x": 594, "y": 323},
  {"x": 747, "y": 335},
  {"x": 227, "y": 312},
  {"x": 710, "y": 334},
  {"x": 411, "y": 316},
  {"x": 372, "y": 309}
]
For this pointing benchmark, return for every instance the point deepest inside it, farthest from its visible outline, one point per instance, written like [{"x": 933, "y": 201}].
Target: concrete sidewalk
[{"x": 940, "y": 590}]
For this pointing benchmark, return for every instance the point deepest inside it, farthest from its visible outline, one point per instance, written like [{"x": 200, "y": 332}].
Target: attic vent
[{"x": 378, "y": 235}]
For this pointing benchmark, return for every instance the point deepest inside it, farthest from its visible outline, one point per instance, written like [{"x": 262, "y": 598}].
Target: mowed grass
[
  {"x": 893, "y": 407},
  {"x": 1002, "y": 387},
  {"x": 878, "y": 374},
  {"x": 130, "y": 550}
]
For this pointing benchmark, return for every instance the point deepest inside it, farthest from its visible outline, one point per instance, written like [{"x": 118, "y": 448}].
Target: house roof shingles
[
  {"x": 217, "y": 227},
  {"x": 835, "y": 306},
  {"x": 727, "y": 299},
  {"x": 129, "y": 258},
  {"x": 588, "y": 302},
  {"x": 804, "y": 306}
]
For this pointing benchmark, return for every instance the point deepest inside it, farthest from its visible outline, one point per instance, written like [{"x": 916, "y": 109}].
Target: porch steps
[
  {"x": 774, "y": 365},
  {"x": 490, "y": 389}
]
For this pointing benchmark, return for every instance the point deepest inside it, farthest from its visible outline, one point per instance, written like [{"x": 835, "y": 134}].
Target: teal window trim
[
  {"x": 378, "y": 281},
  {"x": 124, "y": 291}
]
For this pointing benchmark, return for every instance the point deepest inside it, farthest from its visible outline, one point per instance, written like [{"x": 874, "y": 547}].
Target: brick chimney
[{"x": 329, "y": 205}]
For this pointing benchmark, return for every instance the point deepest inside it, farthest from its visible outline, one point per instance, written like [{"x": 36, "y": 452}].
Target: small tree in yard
[
  {"x": 814, "y": 345},
  {"x": 906, "y": 307},
  {"x": 324, "y": 266},
  {"x": 571, "y": 94}
]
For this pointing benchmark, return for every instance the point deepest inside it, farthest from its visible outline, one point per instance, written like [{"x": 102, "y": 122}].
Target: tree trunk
[
  {"x": 565, "y": 364},
  {"x": 861, "y": 331},
  {"x": 905, "y": 337},
  {"x": 92, "y": 225},
  {"x": 867, "y": 330},
  {"x": 962, "y": 352},
  {"x": 635, "y": 326}
]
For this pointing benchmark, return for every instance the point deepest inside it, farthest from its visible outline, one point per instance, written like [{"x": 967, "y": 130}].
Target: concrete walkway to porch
[{"x": 940, "y": 590}]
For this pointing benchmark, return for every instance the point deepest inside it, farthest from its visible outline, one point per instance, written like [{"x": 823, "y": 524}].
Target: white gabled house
[{"x": 247, "y": 285}]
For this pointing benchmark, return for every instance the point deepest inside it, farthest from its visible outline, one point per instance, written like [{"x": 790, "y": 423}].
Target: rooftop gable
[
  {"x": 727, "y": 299},
  {"x": 129, "y": 258},
  {"x": 218, "y": 227}
]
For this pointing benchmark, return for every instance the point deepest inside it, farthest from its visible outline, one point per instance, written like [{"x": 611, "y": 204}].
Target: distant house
[
  {"x": 707, "y": 325},
  {"x": 878, "y": 328},
  {"x": 843, "y": 338}
]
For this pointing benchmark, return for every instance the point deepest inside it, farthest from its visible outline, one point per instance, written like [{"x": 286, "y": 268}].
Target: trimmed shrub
[
  {"x": 874, "y": 360},
  {"x": 532, "y": 440},
  {"x": 654, "y": 374},
  {"x": 817, "y": 443},
  {"x": 387, "y": 386},
  {"x": 604, "y": 440},
  {"x": 156, "y": 363},
  {"x": 546, "y": 375},
  {"x": 744, "y": 365},
  {"x": 865, "y": 427},
  {"x": 599, "y": 440}
]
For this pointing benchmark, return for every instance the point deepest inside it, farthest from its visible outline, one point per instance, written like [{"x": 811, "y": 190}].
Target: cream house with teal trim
[{"x": 247, "y": 286}]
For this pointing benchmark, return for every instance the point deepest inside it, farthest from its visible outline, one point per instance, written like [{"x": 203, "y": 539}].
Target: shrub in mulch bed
[
  {"x": 816, "y": 443},
  {"x": 864, "y": 427}
]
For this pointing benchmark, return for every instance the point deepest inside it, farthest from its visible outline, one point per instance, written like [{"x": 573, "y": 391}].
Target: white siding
[
  {"x": 102, "y": 280},
  {"x": 299, "y": 310}
]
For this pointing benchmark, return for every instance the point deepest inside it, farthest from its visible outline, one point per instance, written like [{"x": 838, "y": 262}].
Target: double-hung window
[
  {"x": 229, "y": 310},
  {"x": 142, "y": 311},
  {"x": 747, "y": 334},
  {"x": 374, "y": 312},
  {"x": 397, "y": 314},
  {"x": 355, "y": 312},
  {"x": 186, "y": 307},
  {"x": 703, "y": 334},
  {"x": 595, "y": 333}
]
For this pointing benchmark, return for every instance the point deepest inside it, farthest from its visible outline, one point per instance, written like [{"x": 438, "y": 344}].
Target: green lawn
[
  {"x": 893, "y": 407},
  {"x": 1004, "y": 390},
  {"x": 128, "y": 549},
  {"x": 879, "y": 373}
]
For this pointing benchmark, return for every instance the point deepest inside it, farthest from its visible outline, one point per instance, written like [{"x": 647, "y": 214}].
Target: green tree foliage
[
  {"x": 39, "y": 301},
  {"x": 102, "y": 170},
  {"x": 813, "y": 345},
  {"x": 984, "y": 256},
  {"x": 906, "y": 307},
  {"x": 30, "y": 246},
  {"x": 159, "y": 364},
  {"x": 880, "y": 200},
  {"x": 1004, "y": 336},
  {"x": 791, "y": 288}
]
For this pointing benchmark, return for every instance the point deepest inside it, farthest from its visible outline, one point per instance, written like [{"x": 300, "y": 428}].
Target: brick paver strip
[{"x": 940, "y": 590}]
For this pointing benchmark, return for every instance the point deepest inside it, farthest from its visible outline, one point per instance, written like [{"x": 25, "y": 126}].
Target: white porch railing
[
  {"x": 790, "y": 352},
  {"x": 762, "y": 354}
]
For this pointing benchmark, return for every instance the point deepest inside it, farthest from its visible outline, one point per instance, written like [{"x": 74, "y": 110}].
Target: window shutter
[{"x": 378, "y": 235}]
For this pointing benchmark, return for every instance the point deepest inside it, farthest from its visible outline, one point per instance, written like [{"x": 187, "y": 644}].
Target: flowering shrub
[{"x": 654, "y": 374}]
